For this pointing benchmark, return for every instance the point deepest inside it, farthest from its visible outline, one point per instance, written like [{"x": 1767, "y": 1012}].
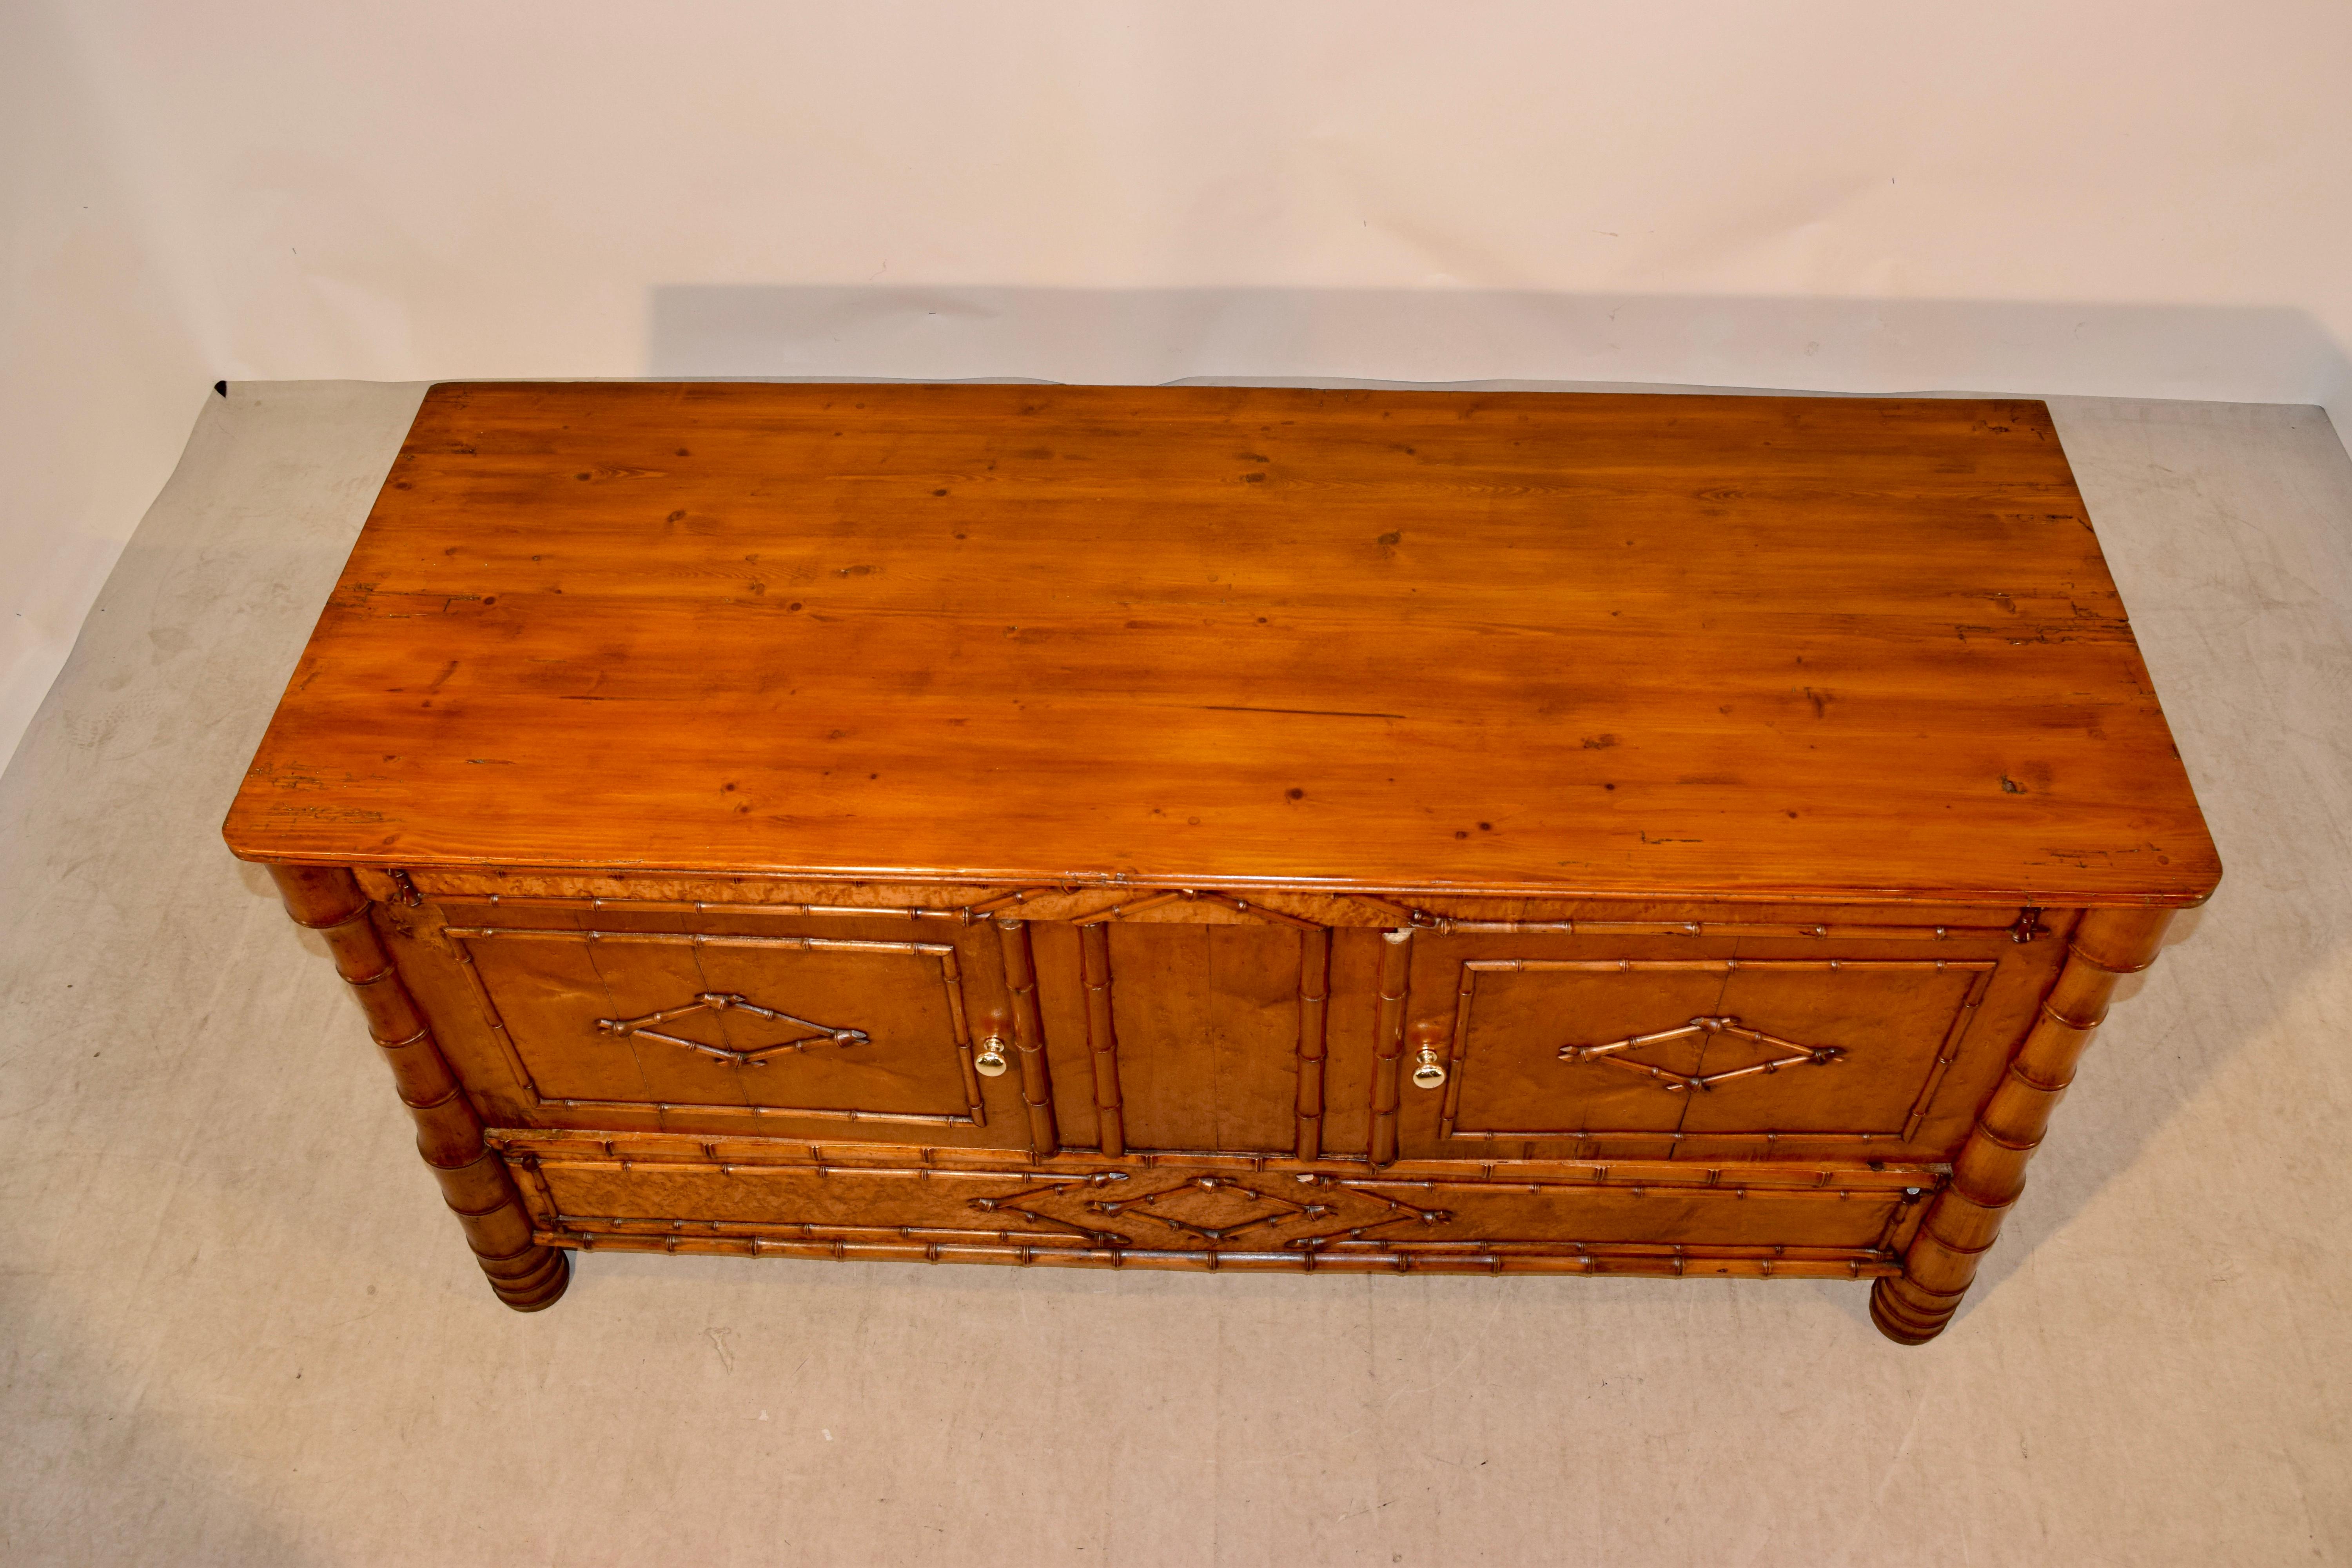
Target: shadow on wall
[{"x": 1152, "y": 335}]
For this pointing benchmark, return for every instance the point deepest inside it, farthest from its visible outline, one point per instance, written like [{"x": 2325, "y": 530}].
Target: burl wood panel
[{"x": 1217, "y": 828}]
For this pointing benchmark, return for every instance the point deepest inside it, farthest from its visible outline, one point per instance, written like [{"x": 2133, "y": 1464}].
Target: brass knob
[
  {"x": 991, "y": 1060},
  {"x": 1429, "y": 1070}
]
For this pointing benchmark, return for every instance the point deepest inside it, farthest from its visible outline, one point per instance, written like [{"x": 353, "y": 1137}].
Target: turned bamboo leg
[
  {"x": 1990, "y": 1173},
  {"x": 474, "y": 1179}
]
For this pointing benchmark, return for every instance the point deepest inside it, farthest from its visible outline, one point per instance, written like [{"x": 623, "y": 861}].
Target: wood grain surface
[{"x": 1629, "y": 645}]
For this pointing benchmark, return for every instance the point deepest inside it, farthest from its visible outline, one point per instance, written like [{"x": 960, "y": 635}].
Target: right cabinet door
[{"x": 1558, "y": 1047}]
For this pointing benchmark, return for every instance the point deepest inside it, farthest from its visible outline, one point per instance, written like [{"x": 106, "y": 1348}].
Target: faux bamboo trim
[
  {"x": 1028, "y": 1033},
  {"x": 631, "y": 1150},
  {"x": 1260, "y": 911},
  {"x": 1127, "y": 904},
  {"x": 1313, "y": 1013},
  {"x": 784, "y": 1113},
  {"x": 1388, "y": 1041},
  {"x": 1395, "y": 1261},
  {"x": 700, "y": 939},
  {"x": 709, "y": 906},
  {"x": 1948, "y": 1053},
  {"x": 1443, "y": 925},
  {"x": 972, "y": 913},
  {"x": 1715, "y": 965},
  {"x": 1102, "y": 1038},
  {"x": 1682, "y": 1185},
  {"x": 1131, "y": 898},
  {"x": 1766, "y": 1135}
]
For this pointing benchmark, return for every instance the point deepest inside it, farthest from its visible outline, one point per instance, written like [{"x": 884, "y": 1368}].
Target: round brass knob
[
  {"x": 1430, "y": 1073},
  {"x": 991, "y": 1060}
]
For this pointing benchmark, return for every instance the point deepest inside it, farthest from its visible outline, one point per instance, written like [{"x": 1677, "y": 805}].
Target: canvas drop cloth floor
[{"x": 236, "y": 1327}]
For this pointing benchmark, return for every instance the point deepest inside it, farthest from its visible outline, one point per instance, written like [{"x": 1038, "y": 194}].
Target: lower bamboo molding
[{"x": 1690, "y": 1264}]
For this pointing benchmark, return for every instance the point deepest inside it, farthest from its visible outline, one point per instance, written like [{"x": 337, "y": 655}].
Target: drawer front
[
  {"x": 701, "y": 1023},
  {"x": 1209, "y": 1218}
]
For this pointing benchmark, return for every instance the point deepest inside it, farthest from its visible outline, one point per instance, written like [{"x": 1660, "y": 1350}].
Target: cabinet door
[
  {"x": 739, "y": 1019},
  {"x": 1556, "y": 1050}
]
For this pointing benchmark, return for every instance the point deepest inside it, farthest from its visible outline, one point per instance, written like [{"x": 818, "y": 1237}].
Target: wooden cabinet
[{"x": 1229, "y": 829}]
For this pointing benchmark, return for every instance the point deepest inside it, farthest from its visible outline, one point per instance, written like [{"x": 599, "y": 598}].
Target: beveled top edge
[{"x": 1682, "y": 892}]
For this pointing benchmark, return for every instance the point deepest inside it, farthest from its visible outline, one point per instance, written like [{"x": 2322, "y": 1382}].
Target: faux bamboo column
[
  {"x": 1102, "y": 1036},
  {"x": 1028, "y": 1034},
  {"x": 1314, "y": 999},
  {"x": 1388, "y": 1042},
  {"x": 474, "y": 1179},
  {"x": 1990, "y": 1173}
]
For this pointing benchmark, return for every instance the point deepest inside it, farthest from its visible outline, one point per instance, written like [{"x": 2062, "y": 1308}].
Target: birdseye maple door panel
[
  {"x": 864, "y": 1025},
  {"x": 1711, "y": 1049}
]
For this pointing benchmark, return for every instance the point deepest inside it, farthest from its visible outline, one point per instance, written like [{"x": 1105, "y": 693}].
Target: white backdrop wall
[{"x": 2133, "y": 198}]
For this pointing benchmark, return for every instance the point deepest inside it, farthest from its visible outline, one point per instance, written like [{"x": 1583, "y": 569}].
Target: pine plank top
[{"x": 1742, "y": 648}]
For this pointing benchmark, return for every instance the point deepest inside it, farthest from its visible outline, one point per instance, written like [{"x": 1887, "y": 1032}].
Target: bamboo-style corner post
[
  {"x": 474, "y": 1179},
  {"x": 1388, "y": 1041},
  {"x": 1028, "y": 1033},
  {"x": 1964, "y": 1220}
]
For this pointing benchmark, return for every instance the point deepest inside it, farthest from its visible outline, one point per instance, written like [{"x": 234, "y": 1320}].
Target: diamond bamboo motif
[
  {"x": 819, "y": 1034},
  {"x": 1794, "y": 1055}
]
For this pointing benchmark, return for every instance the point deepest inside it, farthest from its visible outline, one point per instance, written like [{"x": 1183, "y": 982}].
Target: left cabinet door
[{"x": 851, "y": 1026}]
